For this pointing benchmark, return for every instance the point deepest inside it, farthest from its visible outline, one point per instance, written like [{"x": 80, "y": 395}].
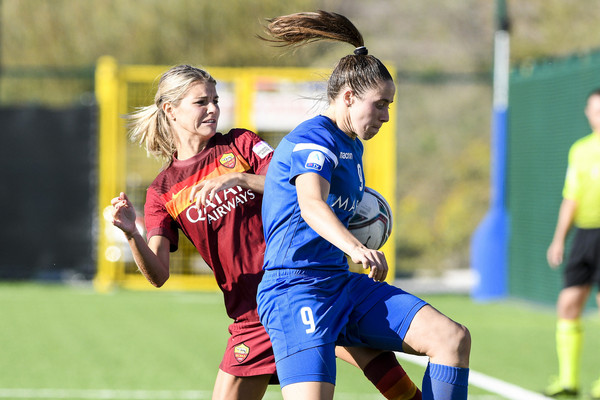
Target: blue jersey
[
  {"x": 320, "y": 147},
  {"x": 324, "y": 304}
]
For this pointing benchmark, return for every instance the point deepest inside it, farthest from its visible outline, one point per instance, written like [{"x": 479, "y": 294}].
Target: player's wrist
[
  {"x": 132, "y": 235},
  {"x": 356, "y": 251},
  {"x": 241, "y": 179}
]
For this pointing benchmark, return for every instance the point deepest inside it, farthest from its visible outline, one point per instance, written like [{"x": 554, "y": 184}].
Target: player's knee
[
  {"x": 460, "y": 345},
  {"x": 569, "y": 308},
  {"x": 455, "y": 346},
  {"x": 464, "y": 341}
]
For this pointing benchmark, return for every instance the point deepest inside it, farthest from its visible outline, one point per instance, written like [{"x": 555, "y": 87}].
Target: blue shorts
[{"x": 310, "y": 309}]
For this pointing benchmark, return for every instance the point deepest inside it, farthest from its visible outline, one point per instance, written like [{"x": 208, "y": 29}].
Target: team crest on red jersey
[
  {"x": 228, "y": 160},
  {"x": 241, "y": 352}
]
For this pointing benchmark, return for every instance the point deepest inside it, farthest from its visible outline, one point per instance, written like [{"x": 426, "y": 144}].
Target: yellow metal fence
[{"x": 268, "y": 101}]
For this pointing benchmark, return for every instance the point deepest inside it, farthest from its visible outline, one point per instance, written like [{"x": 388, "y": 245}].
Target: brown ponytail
[
  {"x": 305, "y": 27},
  {"x": 358, "y": 71}
]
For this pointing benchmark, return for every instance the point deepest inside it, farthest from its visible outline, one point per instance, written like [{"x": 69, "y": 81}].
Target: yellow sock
[{"x": 569, "y": 339}]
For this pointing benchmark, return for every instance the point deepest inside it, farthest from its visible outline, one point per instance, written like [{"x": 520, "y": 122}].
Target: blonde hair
[
  {"x": 149, "y": 125},
  {"x": 359, "y": 71}
]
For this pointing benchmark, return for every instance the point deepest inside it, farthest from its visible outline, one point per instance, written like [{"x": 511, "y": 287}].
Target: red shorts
[{"x": 248, "y": 351}]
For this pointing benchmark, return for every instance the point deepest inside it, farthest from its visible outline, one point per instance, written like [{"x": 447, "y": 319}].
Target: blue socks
[{"x": 442, "y": 382}]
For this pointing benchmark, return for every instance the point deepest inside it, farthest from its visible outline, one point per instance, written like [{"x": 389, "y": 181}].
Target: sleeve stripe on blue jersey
[{"x": 313, "y": 146}]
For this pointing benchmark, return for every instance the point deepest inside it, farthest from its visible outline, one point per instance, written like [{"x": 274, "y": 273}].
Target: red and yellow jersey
[{"x": 227, "y": 232}]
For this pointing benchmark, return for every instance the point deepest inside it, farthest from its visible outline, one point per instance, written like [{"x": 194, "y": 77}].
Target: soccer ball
[{"x": 372, "y": 221}]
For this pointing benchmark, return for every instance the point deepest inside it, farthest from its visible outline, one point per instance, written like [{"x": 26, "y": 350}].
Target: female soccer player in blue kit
[{"x": 308, "y": 300}]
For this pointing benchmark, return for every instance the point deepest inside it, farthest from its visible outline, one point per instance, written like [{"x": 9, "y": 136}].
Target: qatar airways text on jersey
[{"x": 221, "y": 205}]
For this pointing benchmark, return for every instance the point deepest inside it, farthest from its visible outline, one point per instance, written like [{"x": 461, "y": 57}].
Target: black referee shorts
[{"x": 583, "y": 265}]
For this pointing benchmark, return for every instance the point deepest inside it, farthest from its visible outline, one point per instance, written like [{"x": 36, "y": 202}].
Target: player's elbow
[
  {"x": 158, "y": 284},
  {"x": 308, "y": 217},
  {"x": 308, "y": 211},
  {"x": 159, "y": 281}
]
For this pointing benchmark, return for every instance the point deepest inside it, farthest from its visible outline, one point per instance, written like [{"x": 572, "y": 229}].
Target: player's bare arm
[
  {"x": 152, "y": 258},
  {"x": 312, "y": 192},
  {"x": 556, "y": 250}
]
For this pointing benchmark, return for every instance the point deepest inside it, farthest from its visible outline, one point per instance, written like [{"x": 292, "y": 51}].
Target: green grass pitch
[{"x": 72, "y": 340}]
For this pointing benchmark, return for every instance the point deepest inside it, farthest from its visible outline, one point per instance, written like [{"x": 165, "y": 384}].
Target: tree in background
[{"x": 442, "y": 50}]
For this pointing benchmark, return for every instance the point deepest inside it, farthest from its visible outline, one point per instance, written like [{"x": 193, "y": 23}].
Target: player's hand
[
  {"x": 204, "y": 192},
  {"x": 555, "y": 254},
  {"x": 123, "y": 214},
  {"x": 371, "y": 259}
]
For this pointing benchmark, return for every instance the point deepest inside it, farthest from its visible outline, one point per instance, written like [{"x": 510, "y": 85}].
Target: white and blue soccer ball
[{"x": 372, "y": 222}]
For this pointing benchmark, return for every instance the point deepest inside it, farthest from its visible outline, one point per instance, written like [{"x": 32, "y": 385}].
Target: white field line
[
  {"x": 104, "y": 394},
  {"x": 109, "y": 394},
  {"x": 101, "y": 394},
  {"x": 504, "y": 389}
]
